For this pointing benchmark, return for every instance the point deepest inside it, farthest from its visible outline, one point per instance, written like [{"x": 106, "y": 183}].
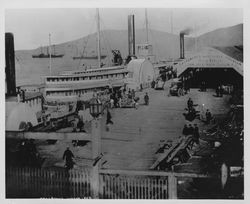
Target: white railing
[{"x": 23, "y": 182}]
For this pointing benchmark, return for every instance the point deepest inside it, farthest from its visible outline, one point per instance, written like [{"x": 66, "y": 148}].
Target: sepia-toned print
[{"x": 126, "y": 103}]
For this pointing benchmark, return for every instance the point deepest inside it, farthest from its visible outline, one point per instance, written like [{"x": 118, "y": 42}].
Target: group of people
[
  {"x": 191, "y": 113},
  {"x": 78, "y": 125},
  {"x": 203, "y": 86},
  {"x": 219, "y": 91},
  {"x": 191, "y": 130},
  {"x": 190, "y": 116},
  {"x": 117, "y": 96},
  {"x": 123, "y": 98}
]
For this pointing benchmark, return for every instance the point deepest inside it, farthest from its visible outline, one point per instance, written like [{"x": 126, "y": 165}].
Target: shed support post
[
  {"x": 172, "y": 187},
  {"x": 96, "y": 139}
]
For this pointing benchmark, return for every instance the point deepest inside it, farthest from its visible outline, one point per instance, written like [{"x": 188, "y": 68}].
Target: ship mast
[
  {"x": 49, "y": 55},
  {"x": 195, "y": 35},
  {"x": 146, "y": 18},
  {"x": 98, "y": 38},
  {"x": 172, "y": 30},
  {"x": 54, "y": 49},
  {"x": 171, "y": 21}
]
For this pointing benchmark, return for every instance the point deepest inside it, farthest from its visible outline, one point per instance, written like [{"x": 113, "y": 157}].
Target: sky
[{"x": 31, "y": 27}]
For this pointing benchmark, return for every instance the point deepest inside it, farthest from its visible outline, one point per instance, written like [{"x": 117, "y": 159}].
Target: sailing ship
[{"x": 43, "y": 55}]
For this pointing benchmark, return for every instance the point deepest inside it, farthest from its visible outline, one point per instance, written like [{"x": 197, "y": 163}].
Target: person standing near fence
[
  {"x": 109, "y": 117},
  {"x": 108, "y": 120},
  {"x": 146, "y": 99},
  {"x": 68, "y": 156}
]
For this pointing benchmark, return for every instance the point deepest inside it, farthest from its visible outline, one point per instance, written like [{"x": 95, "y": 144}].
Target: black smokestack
[
  {"x": 131, "y": 35},
  {"x": 186, "y": 31},
  {"x": 10, "y": 65},
  {"x": 182, "y": 47}
]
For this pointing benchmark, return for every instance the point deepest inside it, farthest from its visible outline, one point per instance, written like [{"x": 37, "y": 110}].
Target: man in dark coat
[
  {"x": 146, "y": 99},
  {"x": 109, "y": 117},
  {"x": 80, "y": 125},
  {"x": 196, "y": 134},
  {"x": 208, "y": 116},
  {"x": 190, "y": 104},
  {"x": 185, "y": 130},
  {"x": 190, "y": 129},
  {"x": 68, "y": 155}
]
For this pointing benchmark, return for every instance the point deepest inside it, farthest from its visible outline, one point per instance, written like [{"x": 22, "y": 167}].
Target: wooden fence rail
[
  {"x": 133, "y": 187},
  {"x": 44, "y": 183},
  {"x": 26, "y": 182}
]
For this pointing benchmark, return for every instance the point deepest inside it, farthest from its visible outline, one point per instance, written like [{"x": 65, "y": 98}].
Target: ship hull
[
  {"x": 90, "y": 57},
  {"x": 47, "y": 56}
]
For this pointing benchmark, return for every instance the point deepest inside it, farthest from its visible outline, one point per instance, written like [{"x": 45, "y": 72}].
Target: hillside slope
[{"x": 165, "y": 45}]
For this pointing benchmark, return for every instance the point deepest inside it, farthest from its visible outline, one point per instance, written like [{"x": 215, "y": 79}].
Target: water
[{"x": 31, "y": 70}]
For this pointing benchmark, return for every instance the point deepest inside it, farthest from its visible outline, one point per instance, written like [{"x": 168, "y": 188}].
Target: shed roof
[
  {"x": 235, "y": 52},
  {"x": 210, "y": 57}
]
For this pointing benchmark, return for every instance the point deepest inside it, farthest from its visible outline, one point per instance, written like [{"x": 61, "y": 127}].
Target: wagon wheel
[
  {"x": 179, "y": 92},
  {"x": 182, "y": 92},
  {"x": 169, "y": 94}
]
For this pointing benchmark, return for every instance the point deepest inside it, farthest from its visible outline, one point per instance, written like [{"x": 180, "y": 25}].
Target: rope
[
  {"x": 108, "y": 50},
  {"x": 18, "y": 61},
  {"x": 84, "y": 47},
  {"x": 149, "y": 25},
  {"x": 107, "y": 42},
  {"x": 155, "y": 42}
]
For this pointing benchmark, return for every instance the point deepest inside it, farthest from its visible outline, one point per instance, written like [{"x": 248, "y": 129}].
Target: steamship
[
  {"x": 42, "y": 55},
  {"x": 71, "y": 85},
  {"x": 82, "y": 84},
  {"x": 89, "y": 57},
  {"x": 53, "y": 55}
]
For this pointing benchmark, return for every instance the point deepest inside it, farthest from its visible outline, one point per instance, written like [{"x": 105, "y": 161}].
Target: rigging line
[
  {"x": 96, "y": 35},
  {"x": 81, "y": 54},
  {"x": 18, "y": 61},
  {"x": 84, "y": 47},
  {"x": 151, "y": 32},
  {"x": 146, "y": 25},
  {"x": 108, "y": 50},
  {"x": 153, "y": 37},
  {"x": 108, "y": 44}
]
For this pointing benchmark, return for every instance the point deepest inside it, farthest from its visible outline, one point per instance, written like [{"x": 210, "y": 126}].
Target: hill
[
  {"x": 223, "y": 37},
  {"x": 165, "y": 45}
]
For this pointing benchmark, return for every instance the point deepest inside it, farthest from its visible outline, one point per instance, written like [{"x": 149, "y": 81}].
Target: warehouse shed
[{"x": 140, "y": 74}]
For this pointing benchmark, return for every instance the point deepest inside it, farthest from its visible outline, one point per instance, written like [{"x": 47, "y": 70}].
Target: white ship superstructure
[{"x": 82, "y": 84}]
